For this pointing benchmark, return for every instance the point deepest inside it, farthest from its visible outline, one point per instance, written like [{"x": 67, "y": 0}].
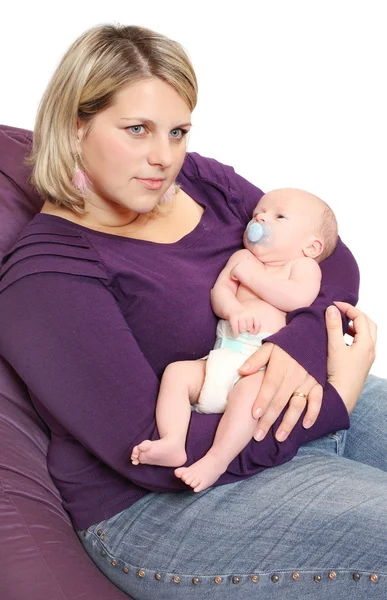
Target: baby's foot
[
  {"x": 202, "y": 474},
  {"x": 163, "y": 453}
]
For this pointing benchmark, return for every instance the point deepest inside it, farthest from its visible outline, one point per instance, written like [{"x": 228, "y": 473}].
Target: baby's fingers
[
  {"x": 256, "y": 326},
  {"x": 234, "y": 322}
]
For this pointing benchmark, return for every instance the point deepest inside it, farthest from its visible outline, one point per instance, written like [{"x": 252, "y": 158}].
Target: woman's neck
[{"x": 167, "y": 224}]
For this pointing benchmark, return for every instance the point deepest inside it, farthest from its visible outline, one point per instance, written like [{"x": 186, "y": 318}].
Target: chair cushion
[{"x": 40, "y": 555}]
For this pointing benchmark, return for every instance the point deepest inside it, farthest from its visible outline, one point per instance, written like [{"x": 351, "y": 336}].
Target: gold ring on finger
[{"x": 299, "y": 394}]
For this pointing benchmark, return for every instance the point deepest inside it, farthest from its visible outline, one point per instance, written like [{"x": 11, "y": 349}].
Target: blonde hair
[
  {"x": 328, "y": 230},
  {"x": 97, "y": 65}
]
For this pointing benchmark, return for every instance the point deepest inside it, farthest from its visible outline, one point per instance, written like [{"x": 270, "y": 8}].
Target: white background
[{"x": 291, "y": 93}]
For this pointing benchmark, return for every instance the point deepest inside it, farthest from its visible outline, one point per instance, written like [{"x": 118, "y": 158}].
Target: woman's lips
[{"x": 152, "y": 184}]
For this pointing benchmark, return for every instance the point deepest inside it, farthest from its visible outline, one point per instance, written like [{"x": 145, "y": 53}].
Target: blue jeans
[{"x": 313, "y": 528}]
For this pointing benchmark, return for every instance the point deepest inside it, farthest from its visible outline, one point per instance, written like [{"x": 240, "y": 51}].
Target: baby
[{"x": 290, "y": 233}]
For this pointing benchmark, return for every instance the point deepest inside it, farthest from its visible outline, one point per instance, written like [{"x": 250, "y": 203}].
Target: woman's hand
[
  {"x": 348, "y": 366},
  {"x": 284, "y": 377}
]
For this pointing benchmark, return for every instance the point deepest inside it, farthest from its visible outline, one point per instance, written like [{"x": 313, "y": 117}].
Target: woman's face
[{"x": 135, "y": 149}]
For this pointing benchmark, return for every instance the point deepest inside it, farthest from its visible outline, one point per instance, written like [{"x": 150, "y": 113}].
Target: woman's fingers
[
  {"x": 257, "y": 360},
  {"x": 285, "y": 384},
  {"x": 348, "y": 366},
  {"x": 268, "y": 394},
  {"x": 283, "y": 376},
  {"x": 350, "y": 311},
  {"x": 373, "y": 330},
  {"x": 308, "y": 394},
  {"x": 268, "y": 405},
  {"x": 362, "y": 329},
  {"x": 315, "y": 397},
  {"x": 334, "y": 329},
  {"x": 361, "y": 323},
  {"x": 296, "y": 406}
]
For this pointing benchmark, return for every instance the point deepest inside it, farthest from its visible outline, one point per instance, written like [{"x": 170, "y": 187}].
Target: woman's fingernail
[
  {"x": 332, "y": 312},
  {"x": 259, "y": 435},
  {"x": 281, "y": 436},
  {"x": 258, "y": 412},
  {"x": 308, "y": 423},
  {"x": 245, "y": 367}
]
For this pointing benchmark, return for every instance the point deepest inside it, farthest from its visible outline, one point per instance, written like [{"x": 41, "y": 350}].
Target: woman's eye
[
  {"x": 137, "y": 129},
  {"x": 178, "y": 133}
]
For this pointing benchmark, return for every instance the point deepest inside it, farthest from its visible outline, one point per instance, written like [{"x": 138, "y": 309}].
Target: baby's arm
[
  {"x": 301, "y": 289},
  {"x": 224, "y": 302},
  {"x": 223, "y": 294}
]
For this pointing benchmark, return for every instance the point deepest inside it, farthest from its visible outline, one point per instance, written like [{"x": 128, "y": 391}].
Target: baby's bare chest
[{"x": 282, "y": 272}]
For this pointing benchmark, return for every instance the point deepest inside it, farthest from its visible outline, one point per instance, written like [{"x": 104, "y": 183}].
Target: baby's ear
[{"x": 314, "y": 248}]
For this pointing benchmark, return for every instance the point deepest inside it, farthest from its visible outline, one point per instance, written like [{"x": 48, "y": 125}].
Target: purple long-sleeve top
[{"x": 90, "y": 320}]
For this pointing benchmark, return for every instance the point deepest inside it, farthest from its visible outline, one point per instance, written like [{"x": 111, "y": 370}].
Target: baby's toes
[
  {"x": 179, "y": 472},
  {"x": 187, "y": 478},
  {"x": 195, "y": 483},
  {"x": 135, "y": 456}
]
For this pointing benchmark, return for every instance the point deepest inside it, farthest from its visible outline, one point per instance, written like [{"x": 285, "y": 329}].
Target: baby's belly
[{"x": 272, "y": 319}]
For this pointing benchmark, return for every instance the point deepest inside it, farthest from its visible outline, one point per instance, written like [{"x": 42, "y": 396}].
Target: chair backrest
[{"x": 19, "y": 202}]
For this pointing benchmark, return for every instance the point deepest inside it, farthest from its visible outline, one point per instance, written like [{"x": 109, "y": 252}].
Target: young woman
[{"x": 111, "y": 282}]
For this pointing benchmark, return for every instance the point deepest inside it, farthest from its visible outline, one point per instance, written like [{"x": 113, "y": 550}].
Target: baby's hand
[
  {"x": 243, "y": 269},
  {"x": 245, "y": 320}
]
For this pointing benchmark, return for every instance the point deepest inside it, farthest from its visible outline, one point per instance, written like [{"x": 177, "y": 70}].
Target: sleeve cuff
[{"x": 310, "y": 350}]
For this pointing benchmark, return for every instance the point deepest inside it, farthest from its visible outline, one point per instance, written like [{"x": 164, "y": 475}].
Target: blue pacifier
[{"x": 258, "y": 233}]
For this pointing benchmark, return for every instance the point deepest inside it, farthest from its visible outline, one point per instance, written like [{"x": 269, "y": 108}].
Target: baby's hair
[{"x": 328, "y": 231}]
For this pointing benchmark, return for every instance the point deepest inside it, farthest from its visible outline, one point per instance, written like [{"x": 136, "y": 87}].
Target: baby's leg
[
  {"x": 234, "y": 431},
  {"x": 180, "y": 385}
]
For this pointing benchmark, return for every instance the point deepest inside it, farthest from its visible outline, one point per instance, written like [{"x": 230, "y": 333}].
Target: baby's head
[{"x": 296, "y": 223}]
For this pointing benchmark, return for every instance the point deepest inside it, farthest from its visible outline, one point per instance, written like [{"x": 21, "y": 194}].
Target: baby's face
[{"x": 292, "y": 218}]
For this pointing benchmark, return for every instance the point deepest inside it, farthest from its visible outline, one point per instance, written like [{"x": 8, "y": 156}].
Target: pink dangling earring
[
  {"x": 79, "y": 180},
  {"x": 168, "y": 194}
]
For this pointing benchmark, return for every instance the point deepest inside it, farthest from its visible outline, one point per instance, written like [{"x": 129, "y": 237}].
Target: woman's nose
[{"x": 160, "y": 153}]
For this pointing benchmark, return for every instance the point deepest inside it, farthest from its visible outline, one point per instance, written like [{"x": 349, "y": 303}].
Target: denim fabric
[{"x": 313, "y": 528}]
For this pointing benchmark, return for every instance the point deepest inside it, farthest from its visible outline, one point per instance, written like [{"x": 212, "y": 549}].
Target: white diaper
[{"x": 223, "y": 363}]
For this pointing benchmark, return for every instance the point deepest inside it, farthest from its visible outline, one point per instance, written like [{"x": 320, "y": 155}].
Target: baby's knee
[
  {"x": 175, "y": 369},
  {"x": 188, "y": 369}
]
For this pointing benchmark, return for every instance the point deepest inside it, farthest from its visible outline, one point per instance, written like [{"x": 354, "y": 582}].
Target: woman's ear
[
  {"x": 80, "y": 130},
  {"x": 314, "y": 248}
]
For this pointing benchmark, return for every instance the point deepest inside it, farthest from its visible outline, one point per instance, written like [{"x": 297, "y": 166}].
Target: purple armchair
[{"x": 41, "y": 557}]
